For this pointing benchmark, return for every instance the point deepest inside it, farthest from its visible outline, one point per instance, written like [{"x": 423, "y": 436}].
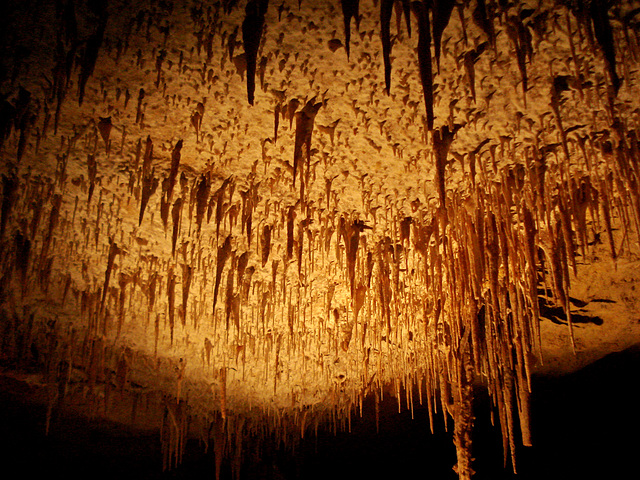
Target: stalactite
[
  {"x": 149, "y": 186},
  {"x": 202, "y": 198},
  {"x": 304, "y": 129},
  {"x": 442, "y": 139},
  {"x": 9, "y": 189},
  {"x": 252, "y": 28},
  {"x": 469, "y": 60},
  {"x": 421, "y": 10},
  {"x": 104, "y": 127},
  {"x": 171, "y": 302},
  {"x": 442, "y": 10},
  {"x": 93, "y": 170},
  {"x": 606, "y": 213},
  {"x": 483, "y": 18},
  {"x": 463, "y": 418},
  {"x": 139, "y": 112},
  {"x": 176, "y": 212},
  {"x": 224, "y": 251},
  {"x": 173, "y": 172},
  {"x": 92, "y": 48},
  {"x": 350, "y": 9},
  {"x": 386, "y": 10},
  {"x": 187, "y": 275},
  {"x": 599, "y": 12},
  {"x": 521, "y": 39},
  {"x": 229, "y": 295},
  {"x": 398, "y": 281}
]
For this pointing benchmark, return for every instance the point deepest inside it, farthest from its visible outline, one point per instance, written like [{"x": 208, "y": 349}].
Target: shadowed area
[{"x": 584, "y": 426}]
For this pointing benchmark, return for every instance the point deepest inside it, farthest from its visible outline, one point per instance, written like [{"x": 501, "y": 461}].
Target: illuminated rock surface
[{"x": 215, "y": 222}]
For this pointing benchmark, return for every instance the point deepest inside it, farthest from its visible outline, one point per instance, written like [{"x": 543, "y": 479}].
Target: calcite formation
[{"x": 245, "y": 217}]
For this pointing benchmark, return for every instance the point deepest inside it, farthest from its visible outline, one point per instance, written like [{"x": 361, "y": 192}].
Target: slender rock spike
[
  {"x": 266, "y": 244},
  {"x": 252, "y": 28},
  {"x": 304, "y": 128},
  {"x": 442, "y": 10},
  {"x": 406, "y": 9},
  {"x": 386, "y": 10},
  {"x": 175, "y": 164},
  {"x": 92, "y": 166},
  {"x": 421, "y": 10},
  {"x": 483, "y": 19},
  {"x": 224, "y": 251},
  {"x": 350, "y": 9},
  {"x": 202, "y": 198},
  {"x": 9, "y": 189},
  {"x": 113, "y": 251},
  {"x": 149, "y": 186},
  {"x": 470, "y": 59},
  {"x": 187, "y": 275},
  {"x": 599, "y": 12},
  {"x": 104, "y": 127},
  {"x": 92, "y": 48},
  {"x": 176, "y": 210}
]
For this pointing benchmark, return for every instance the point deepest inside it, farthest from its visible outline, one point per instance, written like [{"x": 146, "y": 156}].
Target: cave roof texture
[{"x": 239, "y": 219}]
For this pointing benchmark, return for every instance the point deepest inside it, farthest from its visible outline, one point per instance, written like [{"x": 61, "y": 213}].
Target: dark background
[{"x": 585, "y": 425}]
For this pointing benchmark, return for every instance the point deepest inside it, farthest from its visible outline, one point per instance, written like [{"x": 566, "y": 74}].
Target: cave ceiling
[{"x": 256, "y": 214}]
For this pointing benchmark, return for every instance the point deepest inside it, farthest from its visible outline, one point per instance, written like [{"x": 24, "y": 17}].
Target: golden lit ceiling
[{"x": 242, "y": 218}]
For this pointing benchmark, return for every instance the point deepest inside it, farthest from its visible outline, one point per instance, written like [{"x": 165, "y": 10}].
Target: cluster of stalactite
[
  {"x": 173, "y": 434},
  {"x": 438, "y": 299},
  {"x": 259, "y": 290}
]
